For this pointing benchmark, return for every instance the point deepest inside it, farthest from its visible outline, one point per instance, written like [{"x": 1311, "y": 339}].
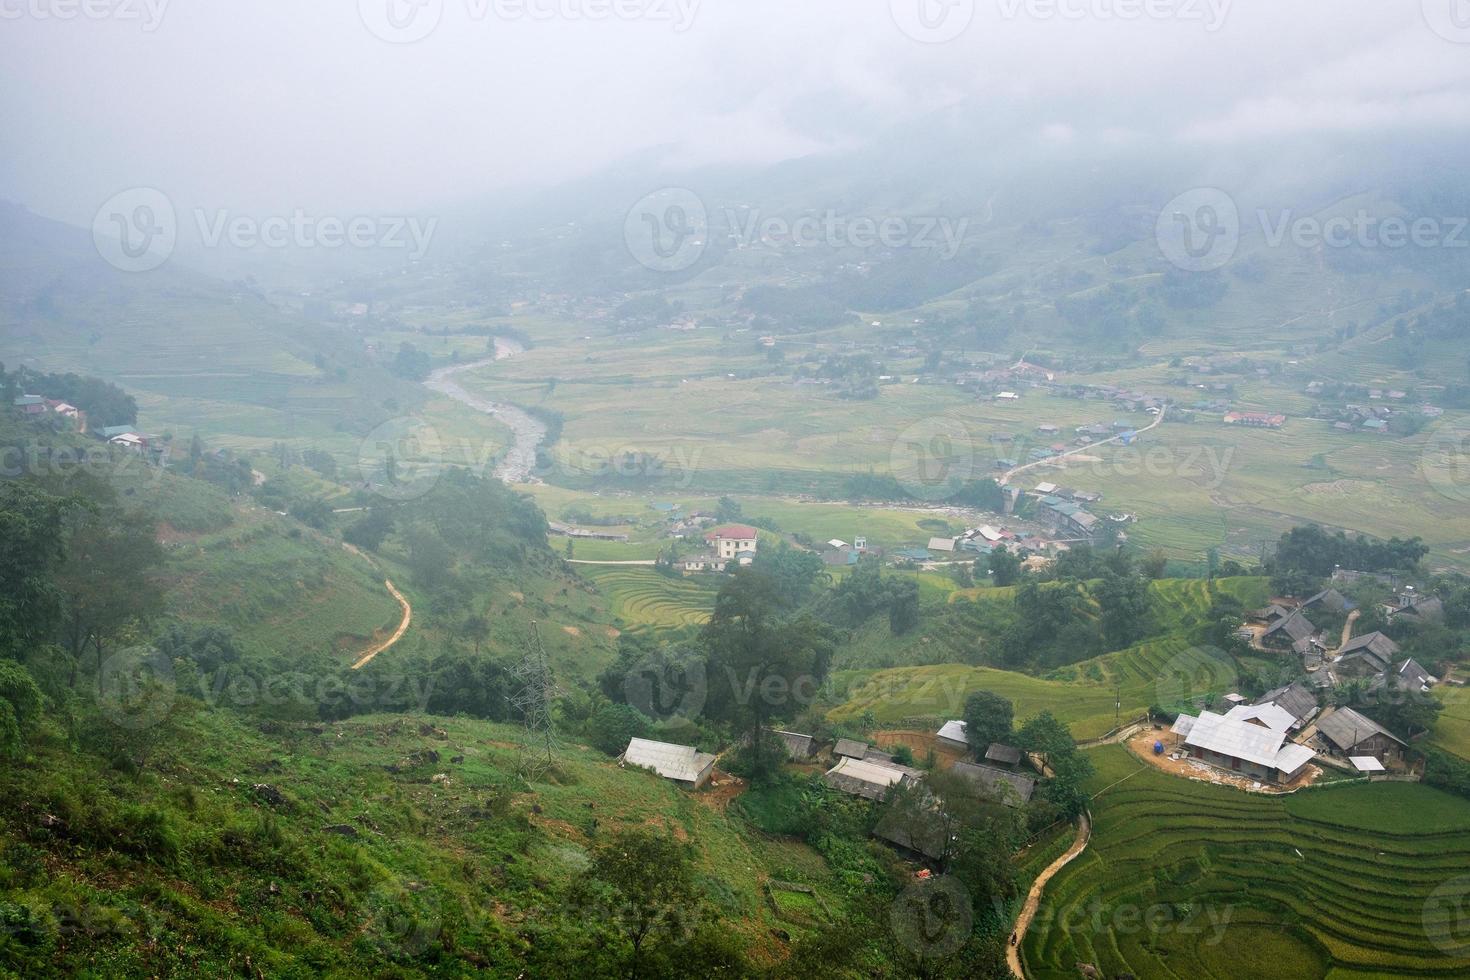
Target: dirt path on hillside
[
  {"x": 1033, "y": 897},
  {"x": 1347, "y": 628},
  {"x": 397, "y": 634},
  {"x": 1062, "y": 457}
]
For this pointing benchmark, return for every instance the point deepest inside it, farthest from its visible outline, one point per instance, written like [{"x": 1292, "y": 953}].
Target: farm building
[
  {"x": 1288, "y": 631},
  {"x": 899, "y": 827},
  {"x": 1267, "y": 716},
  {"x": 869, "y": 779},
  {"x": 1242, "y": 747},
  {"x": 1348, "y": 733},
  {"x": 1297, "y": 699},
  {"x": 849, "y": 748},
  {"x": 1007, "y": 756},
  {"x": 30, "y": 404},
  {"x": 1010, "y": 788},
  {"x": 941, "y": 544},
  {"x": 1331, "y": 600},
  {"x": 799, "y": 747},
  {"x": 952, "y": 733},
  {"x": 1409, "y": 677},
  {"x": 1416, "y": 607},
  {"x": 1362, "y": 656},
  {"x": 681, "y": 763},
  {"x": 731, "y": 540}
]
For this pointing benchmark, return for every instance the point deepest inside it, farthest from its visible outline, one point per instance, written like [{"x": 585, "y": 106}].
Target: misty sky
[{"x": 279, "y": 104}]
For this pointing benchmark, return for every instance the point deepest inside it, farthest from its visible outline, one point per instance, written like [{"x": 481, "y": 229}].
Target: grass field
[
  {"x": 1184, "y": 879},
  {"x": 640, "y": 596},
  {"x": 195, "y": 873}
]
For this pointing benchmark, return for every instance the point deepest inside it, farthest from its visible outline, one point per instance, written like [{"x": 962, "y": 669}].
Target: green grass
[
  {"x": 184, "y": 869},
  {"x": 1452, "y": 728},
  {"x": 1249, "y": 885}
]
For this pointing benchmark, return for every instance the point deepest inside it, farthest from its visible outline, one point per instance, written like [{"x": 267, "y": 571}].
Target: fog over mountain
[{"x": 276, "y": 105}]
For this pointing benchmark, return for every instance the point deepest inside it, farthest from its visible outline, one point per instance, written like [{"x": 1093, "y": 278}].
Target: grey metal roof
[
  {"x": 870, "y": 780},
  {"x": 1296, "y": 698},
  {"x": 1295, "y": 625},
  {"x": 1008, "y": 754},
  {"x": 1347, "y": 729},
  {"x": 798, "y": 746},
  {"x": 1010, "y": 788},
  {"x": 1381, "y": 647},
  {"x": 850, "y": 747},
  {"x": 684, "y": 763},
  {"x": 954, "y": 731}
]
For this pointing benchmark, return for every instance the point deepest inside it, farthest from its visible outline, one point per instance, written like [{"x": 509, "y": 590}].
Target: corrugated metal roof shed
[
  {"x": 684, "y": 763},
  {"x": 954, "y": 731}
]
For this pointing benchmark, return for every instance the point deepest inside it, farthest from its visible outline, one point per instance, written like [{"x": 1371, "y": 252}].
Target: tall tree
[
  {"x": 32, "y": 525},
  {"x": 759, "y": 666},
  {"x": 988, "y": 718}
]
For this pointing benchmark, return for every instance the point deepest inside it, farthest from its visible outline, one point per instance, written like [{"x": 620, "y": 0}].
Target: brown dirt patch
[
  {"x": 721, "y": 789},
  {"x": 919, "y": 743},
  {"x": 571, "y": 631},
  {"x": 1142, "y": 745}
]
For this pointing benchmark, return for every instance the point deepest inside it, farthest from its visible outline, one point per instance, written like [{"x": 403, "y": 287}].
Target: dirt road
[
  {"x": 1033, "y": 897},
  {"x": 397, "y": 634},
  {"x": 1061, "y": 457}
]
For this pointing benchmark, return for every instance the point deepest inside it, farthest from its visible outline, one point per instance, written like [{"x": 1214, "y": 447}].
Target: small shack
[{"x": 681, "y": 763}]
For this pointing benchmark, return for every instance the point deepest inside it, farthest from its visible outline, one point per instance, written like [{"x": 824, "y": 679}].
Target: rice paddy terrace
[
  {"x": 640, "y": 596},
  {"x": 1191, "y": 880}
]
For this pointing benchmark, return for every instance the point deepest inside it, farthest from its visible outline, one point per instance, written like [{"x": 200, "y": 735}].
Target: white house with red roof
[{"x": 732, "y": 540}]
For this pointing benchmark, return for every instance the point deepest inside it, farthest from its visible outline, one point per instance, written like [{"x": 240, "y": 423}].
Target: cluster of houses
[
  {"x": 725, "y": 545},
  {"x": 39, "y": 405},
  {"x": 1273, "y": 739},
  {"x": 857, "y": 769},
  {"x": 122, "y": 436},
  {"x": 1372, "y": 657}
]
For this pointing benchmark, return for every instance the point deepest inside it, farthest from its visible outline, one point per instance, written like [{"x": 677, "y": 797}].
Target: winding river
[{"x": 519, "y": 462}]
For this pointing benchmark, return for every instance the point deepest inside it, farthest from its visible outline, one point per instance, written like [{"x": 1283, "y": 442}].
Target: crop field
[
  {"x": 939, "y": 691},
  {"x": 640, "y": 596},
  {"x": 724, "y": 420},
  {"x": 1452, "y": 728},
  {"x": 1189, "y": 880},
  {"x": 1088, "y": 695}
]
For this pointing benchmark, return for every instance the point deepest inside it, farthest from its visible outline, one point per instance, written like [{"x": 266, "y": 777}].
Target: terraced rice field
[
  {"x": 639, "y": 596},
  {"x": 1190, "y": 880},
  {"x": 1452, "y": 729}
]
